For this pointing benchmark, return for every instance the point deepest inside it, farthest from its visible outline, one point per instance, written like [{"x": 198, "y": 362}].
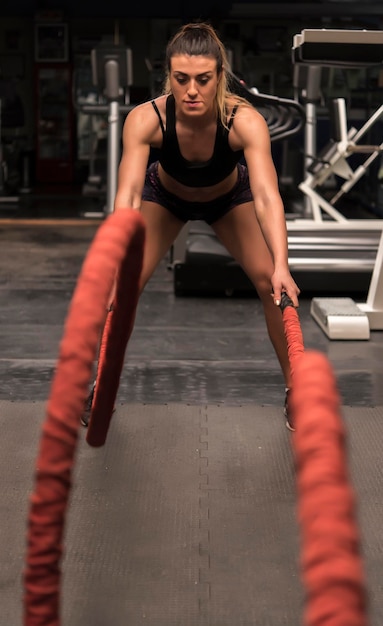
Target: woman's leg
[
  {"x": 161, "y": 229},
  {"x": 240, "y": 233}
]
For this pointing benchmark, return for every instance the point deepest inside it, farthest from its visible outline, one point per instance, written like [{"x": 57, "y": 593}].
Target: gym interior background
[
  {"x": 50, "y": 144},
  {"x": 211, "y": 537}
]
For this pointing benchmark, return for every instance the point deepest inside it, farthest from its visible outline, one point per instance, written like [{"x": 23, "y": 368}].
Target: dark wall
[
  {"x": 196, "y": 8},
  {"x": 115, "y": 8}
]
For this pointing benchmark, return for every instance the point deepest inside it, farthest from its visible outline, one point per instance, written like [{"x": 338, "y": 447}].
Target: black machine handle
[{"x": 291, "y": 113}]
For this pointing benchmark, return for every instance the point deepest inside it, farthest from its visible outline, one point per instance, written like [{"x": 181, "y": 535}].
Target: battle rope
[
  {"x": 332, "y": 569},
  {"x": 117, "y": 330},
  {"x": 118, "y": 244}
]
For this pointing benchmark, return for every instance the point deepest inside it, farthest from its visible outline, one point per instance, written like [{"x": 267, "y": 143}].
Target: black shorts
[{"x": 207, "y": 211}]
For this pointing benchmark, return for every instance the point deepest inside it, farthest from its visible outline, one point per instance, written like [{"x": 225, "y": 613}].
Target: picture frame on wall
[{"x": 51, "y": 43}]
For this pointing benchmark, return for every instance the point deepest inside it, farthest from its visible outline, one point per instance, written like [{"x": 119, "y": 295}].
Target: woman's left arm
[{"x": 251, "y": 131}]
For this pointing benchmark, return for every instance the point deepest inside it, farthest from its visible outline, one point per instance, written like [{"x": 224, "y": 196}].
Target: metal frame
[
  {"x": 112, "y": 70},
  {"x": 337, "y": 163}
]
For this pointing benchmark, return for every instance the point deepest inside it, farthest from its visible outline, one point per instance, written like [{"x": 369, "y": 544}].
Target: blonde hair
[{"x": 200, "y": 39}]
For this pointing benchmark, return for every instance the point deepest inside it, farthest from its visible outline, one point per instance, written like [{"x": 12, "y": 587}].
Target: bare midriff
[{"x": 197, "y": 194}]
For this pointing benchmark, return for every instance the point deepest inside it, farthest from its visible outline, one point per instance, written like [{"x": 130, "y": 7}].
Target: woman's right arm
[{"x": 139, "y": 131}]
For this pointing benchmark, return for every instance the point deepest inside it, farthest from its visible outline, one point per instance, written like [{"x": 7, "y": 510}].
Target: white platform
[{"x": 340, "y": 318}]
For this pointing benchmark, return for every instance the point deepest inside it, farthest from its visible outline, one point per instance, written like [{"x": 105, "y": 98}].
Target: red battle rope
[
  {"x": 332, "y": 568},
  {"x": 117, "y": 330},
  {"x": 118, "y": 244}
]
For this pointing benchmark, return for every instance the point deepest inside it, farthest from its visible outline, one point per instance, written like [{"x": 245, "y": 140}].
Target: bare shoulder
[
  {"x": 249, "y": 126},
  {"x": 246, "y": 114},
  {"x": 143, "y": 123}
]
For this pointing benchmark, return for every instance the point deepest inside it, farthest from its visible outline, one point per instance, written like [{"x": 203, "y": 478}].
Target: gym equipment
[
  {"x": 333, "y": 47},
  {"x": 342, "y": 318},
  {"x": 112, "y": 74},
  {"x": 94, "y": 181},
  {"x": 307, "y": 87},
  {"x": 316, "y": 419},
  {"x": 323, "y": 260},
  {"x": 118, "y": 248},
  {"x": 284, "y": 117},
  {"x": 333, "y": 159},
  {"x": 312, "y": 50}
]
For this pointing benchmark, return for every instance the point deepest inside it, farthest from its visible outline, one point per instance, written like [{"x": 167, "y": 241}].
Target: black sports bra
[{"x": 195, "y": 173}]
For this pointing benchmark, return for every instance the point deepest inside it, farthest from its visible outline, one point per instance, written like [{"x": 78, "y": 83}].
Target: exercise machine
[
  {"x": 112, "y": 75},
  {"x": 334, "y": 159},
  {"x": 342, "y": 318},
  {"x": 345, "y": 49}
]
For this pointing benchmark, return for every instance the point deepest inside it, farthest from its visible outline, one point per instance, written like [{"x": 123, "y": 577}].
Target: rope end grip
[{"x": 285, "y": 301}]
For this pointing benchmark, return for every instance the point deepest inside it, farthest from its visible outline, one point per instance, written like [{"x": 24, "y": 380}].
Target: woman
[{"x": 202, "y": 131}]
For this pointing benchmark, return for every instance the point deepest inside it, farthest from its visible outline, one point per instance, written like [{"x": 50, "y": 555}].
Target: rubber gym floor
[{"x": 187, "y": 515}]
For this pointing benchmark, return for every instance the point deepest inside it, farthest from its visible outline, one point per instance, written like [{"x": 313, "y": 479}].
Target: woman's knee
[{"x": 262, "y": 283}]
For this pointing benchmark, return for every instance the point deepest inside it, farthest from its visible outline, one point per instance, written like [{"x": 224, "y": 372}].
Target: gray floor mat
[{"x": 185, "y": 517}]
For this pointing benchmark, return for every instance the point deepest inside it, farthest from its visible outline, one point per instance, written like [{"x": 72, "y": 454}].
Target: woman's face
[{"x": 194, "y": 81}]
